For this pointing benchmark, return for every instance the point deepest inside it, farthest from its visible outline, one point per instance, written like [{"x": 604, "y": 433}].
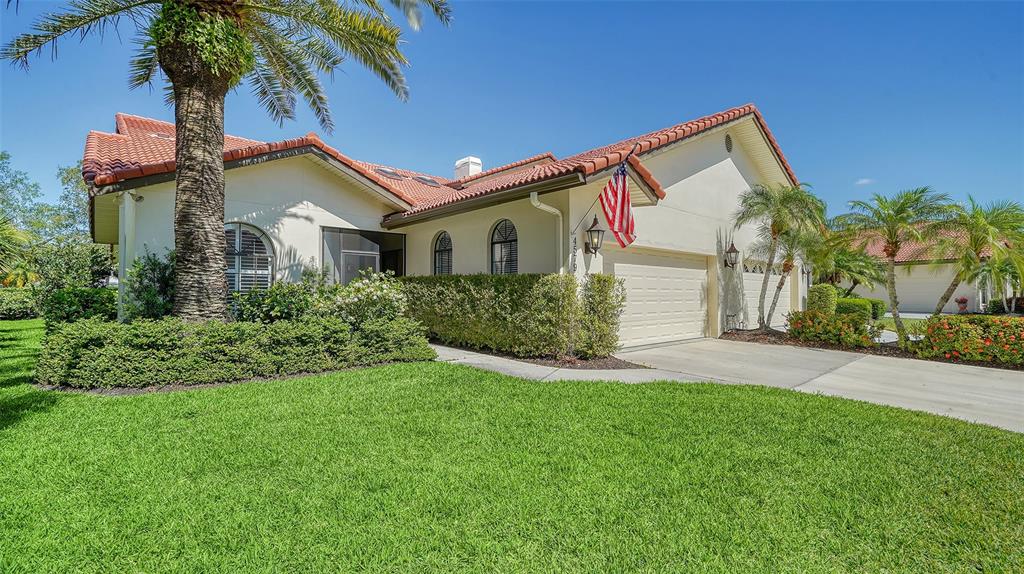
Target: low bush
[
  {"x": 92, "y": 353},
  {"x": 998, "y": 306},
  {"x": 878, "y": 308},
  {"x": 279, "y": 302},
  {"x": 822, "y": 297},
  {"x": 844, "y": 330},
  {"x": 860, "y": 308},
  {"x": 18, "y": 303},
  {"x": 524, "y": 315},
  {"x": 973, "y": 338},
  {"x": 76, "y": 303}
]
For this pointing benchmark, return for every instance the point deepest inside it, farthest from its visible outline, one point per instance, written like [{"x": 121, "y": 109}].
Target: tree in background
[
  {"x": 207, "y": 47},
  {"x": 778, "y": 209},
  {"x": 790, "y": 247},
  {"x": 975, "y": 233},
  {"x": 907, "y": 216}
]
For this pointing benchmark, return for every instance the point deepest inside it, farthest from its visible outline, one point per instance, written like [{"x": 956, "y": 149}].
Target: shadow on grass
[{"x": 14, "y": 409}]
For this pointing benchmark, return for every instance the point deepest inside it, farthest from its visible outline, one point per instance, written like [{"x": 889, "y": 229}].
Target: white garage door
[
  {"x": 752, "y": 294},
  {"x": 665, "y": 295}
]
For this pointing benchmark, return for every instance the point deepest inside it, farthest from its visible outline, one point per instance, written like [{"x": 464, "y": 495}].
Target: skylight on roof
[
  {"x": 428, "y": 181},
  {"x": 388, "y": 172}
]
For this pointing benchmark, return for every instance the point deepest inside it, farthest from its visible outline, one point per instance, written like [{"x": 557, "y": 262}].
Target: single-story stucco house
[
  {"x": 921, "y": 279},
  {"x": 301, "y": 202}
]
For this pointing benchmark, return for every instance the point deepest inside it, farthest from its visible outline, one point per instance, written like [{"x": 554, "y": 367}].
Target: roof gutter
[{"x": 546, "y": 186}]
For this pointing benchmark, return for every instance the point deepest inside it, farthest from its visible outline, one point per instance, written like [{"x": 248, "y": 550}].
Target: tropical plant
[
  {"x": 894, "y": 221},
  {"x": 11, "y": 244},
  {"x": 974, "y": 233},
  {"x": 778, "y": 209},
  {"x": 790, "y": 247},
  {"x": 1004, "y": 277},
  {"x": 207, "y": 47}
]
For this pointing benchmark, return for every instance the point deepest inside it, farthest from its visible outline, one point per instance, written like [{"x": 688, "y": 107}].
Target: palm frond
[{"x": 144, "y": 65}]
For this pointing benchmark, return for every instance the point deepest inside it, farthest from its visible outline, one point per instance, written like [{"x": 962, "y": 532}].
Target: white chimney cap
[{"x": 468, "y": 166}]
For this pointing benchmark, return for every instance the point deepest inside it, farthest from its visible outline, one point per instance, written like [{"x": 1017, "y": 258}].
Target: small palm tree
[
  {"x": 894, "y": 221},
  {"x": 792, "y": 246},
  {"x": 973, "y": 234},
  {"x": 207, "y": 47},
  {"x": 778, "y": 209},
  {"x": 12, "y": 242},
  {"x": 1004, "y": 277}
]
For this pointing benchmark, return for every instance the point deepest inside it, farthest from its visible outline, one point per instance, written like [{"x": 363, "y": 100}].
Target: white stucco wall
[
  {"x": 289, "y": 199},
  {"x": 919, "y": 287}
]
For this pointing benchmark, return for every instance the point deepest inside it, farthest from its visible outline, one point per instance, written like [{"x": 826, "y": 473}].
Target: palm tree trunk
[
  {"x": 946, "y": 295},
  {"x": 199, "y": 269},
  {"x": 894, "y": 304},
  {"x": 764, "y": 284},
  {"x": 853, "y": 285},
  {"x": 775, "y": 300}
]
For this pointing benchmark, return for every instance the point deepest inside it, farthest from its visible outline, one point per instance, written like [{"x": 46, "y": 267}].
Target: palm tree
[
  {"x": 12, "y": 241},
  {"x": 895, "y": 221},
  {"x": 1003, "y": 276},
  {"x": 778, "y": 208},
  {"x": 975, "y": 233},
  {"x": 207, "y": 47},
  {"x": 791, "y": 246}
]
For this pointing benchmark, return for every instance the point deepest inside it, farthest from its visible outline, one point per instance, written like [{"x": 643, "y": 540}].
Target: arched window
[
  {"x": 504, "y": 248},
  {"x": 443, "y": 254},
  {"x": 250, "y": 258}
]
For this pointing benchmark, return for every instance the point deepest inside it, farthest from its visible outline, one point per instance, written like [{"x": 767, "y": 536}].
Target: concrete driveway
[{"x": 990, "y": 396}]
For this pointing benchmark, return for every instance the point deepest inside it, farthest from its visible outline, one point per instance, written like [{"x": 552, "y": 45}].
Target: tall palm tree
[
  {"x": 894, "y": 221},
  {"x": 207, "y": 47},
  {"x": 778, "y": 208},
  {"x": 791, "y": 246},
  {"x": 974, "y": 233}
]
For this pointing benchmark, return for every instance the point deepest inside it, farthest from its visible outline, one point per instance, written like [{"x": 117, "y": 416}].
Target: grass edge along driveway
[{"x": 443, "y": 467}]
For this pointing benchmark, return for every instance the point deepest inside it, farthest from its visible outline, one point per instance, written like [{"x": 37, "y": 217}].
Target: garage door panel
[
  {"x": 752, "y": 294},
  {"x": 665, "y": 296}
]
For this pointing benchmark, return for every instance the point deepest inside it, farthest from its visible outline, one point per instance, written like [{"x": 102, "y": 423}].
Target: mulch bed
[{"x": 774, "y": 337}]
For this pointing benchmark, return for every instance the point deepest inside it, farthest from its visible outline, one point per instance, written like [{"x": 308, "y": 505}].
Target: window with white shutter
[{"x": 250, "y": 258}]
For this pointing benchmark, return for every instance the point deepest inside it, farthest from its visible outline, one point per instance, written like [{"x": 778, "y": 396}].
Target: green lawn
[
  {"x": 443, "y": 467},
  {"x": 888, "y": 324}
]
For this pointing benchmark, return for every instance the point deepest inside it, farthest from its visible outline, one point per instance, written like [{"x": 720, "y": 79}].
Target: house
[
  {"x": 922, "y": 278},
  {"x": 301, "y": 202}
]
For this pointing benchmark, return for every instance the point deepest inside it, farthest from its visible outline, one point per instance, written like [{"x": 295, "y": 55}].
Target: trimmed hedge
[
  {"x": 76, "y": 303},
  {"x": 973, "y": 338},
  {"x": 93, "y": 353},
  {"x": 527, "y": 315},
  {"x": 18, "y": 303},
  {"x": 878, "y": 308},
  {"x": 998, "y": 306},
  {"x": 845, "y": 330},
  {"x": 858, "y": 307},
  {"x": 822, "y": 297}
]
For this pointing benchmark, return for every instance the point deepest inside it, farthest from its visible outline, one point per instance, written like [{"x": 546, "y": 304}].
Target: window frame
[
  {"x": 450, "y": 250},
  {"x": 232, "y": 262},
  {"x": 494, "y": 241}
]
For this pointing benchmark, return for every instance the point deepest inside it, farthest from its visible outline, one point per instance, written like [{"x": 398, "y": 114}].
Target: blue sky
[{"x": 862, "y": 97}]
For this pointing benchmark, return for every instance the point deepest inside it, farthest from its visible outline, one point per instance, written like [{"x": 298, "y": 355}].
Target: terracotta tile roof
[
  {"x": 915, "y": 251},
  {"x": 143, "y": 147}
]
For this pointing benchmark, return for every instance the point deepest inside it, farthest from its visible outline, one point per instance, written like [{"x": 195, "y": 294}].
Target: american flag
[{"x": 617, "y": 211}]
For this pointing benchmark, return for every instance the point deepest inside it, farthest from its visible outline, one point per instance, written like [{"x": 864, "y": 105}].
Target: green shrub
[
  {"x": 149, "y": 287},
  {"x": 370, "y": 296},
  {"x": 858, "y": 307},
  {"x": 998, "y": 306},
  {"x": 831, "y": 328},
  {"x": 822, "y": 297},
  {"x": 76, "y": 303},
  {"x": 279, "y": 302},
  {"x": 95, "y": 354},
  {"x": 973, "y": 338},
  {"x": 524, "y": 315},
  {"x": 878, "y": 308},
  {"x": 17, "y": 303},
  {"x": 602, "y": 298}
]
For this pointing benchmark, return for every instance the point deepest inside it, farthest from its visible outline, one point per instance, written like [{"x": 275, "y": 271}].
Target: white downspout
[
  {"x": 125, "y": 244},
  {"x": 558, "y": 214}
]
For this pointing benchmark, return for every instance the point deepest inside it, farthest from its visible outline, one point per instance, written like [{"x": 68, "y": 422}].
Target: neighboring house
[
  {"x": 920, "y": 281},
  {"x": 300, "y": 202}
]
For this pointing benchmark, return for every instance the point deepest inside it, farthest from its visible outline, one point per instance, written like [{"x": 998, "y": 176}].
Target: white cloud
[{"x": 864, "y": 181}]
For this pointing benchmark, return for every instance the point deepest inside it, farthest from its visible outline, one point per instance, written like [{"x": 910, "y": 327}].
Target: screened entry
[{"x": 348, "y": 251}]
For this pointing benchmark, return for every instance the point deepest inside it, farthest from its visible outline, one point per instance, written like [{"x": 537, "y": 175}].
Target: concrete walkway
[{"x": 989, "y": 396}]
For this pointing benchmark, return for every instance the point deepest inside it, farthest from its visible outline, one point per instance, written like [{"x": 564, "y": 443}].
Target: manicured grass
[
  {"x": 888, "y": 324},
  {"x": 442, "y": 467}
]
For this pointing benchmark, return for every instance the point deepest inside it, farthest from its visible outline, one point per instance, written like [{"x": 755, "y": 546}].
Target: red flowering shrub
[
  {"x": 974, "y": 338},
  {"x": 847, "y": 330}
]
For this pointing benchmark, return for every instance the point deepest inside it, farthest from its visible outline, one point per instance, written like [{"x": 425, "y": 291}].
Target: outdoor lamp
[
  {"x": 732, "y": 255},
  {"x": 595, "y": 236}
]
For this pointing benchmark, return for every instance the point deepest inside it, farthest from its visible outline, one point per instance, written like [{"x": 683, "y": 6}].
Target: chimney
[{"x": 468, "y": 166}]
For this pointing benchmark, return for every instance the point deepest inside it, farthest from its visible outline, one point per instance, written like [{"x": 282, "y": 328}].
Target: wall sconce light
[
  {"x": 595, "y": 237},
  {"x": 732, "y": 256}
]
